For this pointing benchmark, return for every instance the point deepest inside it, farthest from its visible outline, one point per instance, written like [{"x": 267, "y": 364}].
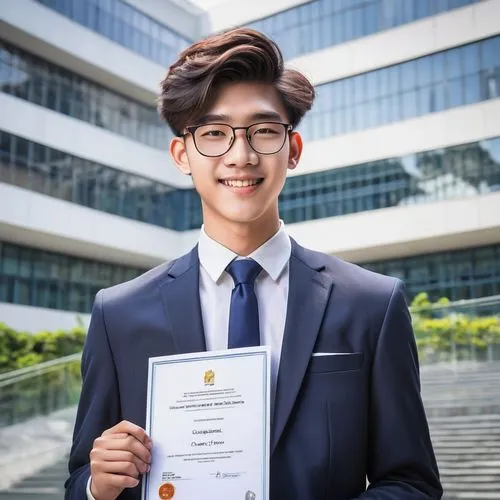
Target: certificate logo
[
  {"x": 209, "y": 378},
  {"x": 166, "y": 491},
  {"x": 250, "y": 495}
]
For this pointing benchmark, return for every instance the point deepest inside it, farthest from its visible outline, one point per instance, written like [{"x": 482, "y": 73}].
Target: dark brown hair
[{"x": 238, "y": 55}]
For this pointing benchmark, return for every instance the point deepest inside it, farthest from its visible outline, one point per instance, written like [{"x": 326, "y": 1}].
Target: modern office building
[{"x": 400, "y": 173}]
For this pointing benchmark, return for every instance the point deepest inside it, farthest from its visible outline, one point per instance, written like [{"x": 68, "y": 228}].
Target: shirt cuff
[{"x": 89, "y": 494}]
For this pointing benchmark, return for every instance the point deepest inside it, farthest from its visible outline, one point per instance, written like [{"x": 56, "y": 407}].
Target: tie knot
[{"x": 244, "y": 271}]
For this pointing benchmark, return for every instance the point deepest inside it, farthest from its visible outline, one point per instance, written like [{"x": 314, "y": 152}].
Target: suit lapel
[
  {"x": 181, "y": 299},
  {"x": 309, "y": 291}
]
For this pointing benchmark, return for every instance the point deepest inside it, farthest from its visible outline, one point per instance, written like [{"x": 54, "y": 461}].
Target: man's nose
[{"x": 240, "y": 153}]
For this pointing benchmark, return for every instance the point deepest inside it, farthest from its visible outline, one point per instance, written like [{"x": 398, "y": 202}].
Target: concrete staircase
[
  {"x": 46, "y": 484},
  {"x": 463, "y": 408}
]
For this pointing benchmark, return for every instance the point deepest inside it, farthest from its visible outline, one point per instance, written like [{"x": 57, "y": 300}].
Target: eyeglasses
[{"x": 216, "y": 139}]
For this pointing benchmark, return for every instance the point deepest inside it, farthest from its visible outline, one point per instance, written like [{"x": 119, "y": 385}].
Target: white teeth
[{"x": 240, "y": 183}]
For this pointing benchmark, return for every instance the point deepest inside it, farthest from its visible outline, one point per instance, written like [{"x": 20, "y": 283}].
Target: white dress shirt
[{"x": 271, "y": 289}]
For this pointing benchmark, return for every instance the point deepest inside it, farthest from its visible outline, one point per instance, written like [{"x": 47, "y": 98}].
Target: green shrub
[
  {"x": 443, "y": 330},
  {"x": 22, "y": 349}
]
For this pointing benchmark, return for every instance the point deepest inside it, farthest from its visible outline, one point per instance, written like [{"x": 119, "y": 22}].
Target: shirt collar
[{"x": 272, "y": 256}]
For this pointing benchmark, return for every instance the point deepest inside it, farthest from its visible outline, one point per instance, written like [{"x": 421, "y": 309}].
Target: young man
[{"x": 345, "y": 381}]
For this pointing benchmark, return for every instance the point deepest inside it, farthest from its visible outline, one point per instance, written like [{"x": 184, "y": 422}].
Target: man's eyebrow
[
  {"x": 266, "y": 115},
  {"x": 223, "y": 118},
  {"x": 213, "y": 118}
]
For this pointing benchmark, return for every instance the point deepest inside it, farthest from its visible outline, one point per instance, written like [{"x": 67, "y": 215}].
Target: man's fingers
[
  {"x": 120, "y": 481},
  {"x": 128, "y": 443},
  {"x": 117, "y": 435},
  {"x": 126, "y": 427},
  {"x": 123, "y": 468},
  {"x": 100, "y": 455}
]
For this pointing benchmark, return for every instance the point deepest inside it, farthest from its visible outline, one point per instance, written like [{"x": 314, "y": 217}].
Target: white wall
[
  {"x": 437, "y": 130},
  {"x": 38, "y": 220},
  {"x": 43, "y": 31},
  {"x": 402, "y": 231},
  {"x": 87, "y": 141},
  {"x": 432, "y": 34},
  {"x": 36, "y": 319}
]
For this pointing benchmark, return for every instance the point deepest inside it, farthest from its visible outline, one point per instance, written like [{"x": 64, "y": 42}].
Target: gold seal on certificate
[
  {"x": 208, "y": 418},
  {"x": 209, "y": 377}
]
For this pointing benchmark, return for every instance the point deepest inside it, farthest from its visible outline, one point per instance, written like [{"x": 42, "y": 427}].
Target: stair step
[
  {"x": 493, "y": 487},
  {"x": 33, "y": 491},
  {"x": 479, "y": 443},
  {"x": 9, "y": 495},
  {"x": 452, "y": 458},
  {"x": 471, "y": 495},
  {"x": 464, "y": 476},
  {"x": 492, "y": 417},
  {"x": 52, "y": 474},
  {"x": 453, "y": 484},
  {"x": 471, "y": 425},
  {"x": 461, "y": 465},
  {"x": 37, "y": 481},
  {"x": 493, "y": 434}
]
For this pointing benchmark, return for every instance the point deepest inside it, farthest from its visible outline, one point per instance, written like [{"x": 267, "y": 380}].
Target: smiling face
[{"x": 240, "y": 187}]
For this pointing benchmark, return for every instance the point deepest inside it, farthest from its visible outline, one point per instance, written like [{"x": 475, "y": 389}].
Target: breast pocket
[{"x": 336, "y": 363}]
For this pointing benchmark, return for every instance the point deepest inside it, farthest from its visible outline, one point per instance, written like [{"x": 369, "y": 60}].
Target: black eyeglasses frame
[{"x": 193, "y": 128}]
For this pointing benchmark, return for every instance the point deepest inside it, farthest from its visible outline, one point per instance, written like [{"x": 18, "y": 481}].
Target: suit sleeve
[
  {"x": 99, "y": 406},
  {"x": 401, "y": 461}
]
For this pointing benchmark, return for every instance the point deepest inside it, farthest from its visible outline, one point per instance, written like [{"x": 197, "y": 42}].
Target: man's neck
[{"x": 242, "y": 239}]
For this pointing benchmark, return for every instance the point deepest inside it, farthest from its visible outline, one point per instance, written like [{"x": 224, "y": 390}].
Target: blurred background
[{"x": 400, "y": 174}]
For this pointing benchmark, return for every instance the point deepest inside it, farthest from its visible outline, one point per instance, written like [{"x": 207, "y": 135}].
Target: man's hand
[{"x": 117, "y": 459}]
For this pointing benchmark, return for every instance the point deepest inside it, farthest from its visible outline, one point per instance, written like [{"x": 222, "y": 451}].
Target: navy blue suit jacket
[{"x": 337, "y": 419}]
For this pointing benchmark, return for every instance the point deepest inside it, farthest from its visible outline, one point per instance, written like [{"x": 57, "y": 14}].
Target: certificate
[{"x": 208, "y": 417}]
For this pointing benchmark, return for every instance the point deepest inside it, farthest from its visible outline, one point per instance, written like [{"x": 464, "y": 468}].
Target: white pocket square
[{"x": 332, "y": 353}]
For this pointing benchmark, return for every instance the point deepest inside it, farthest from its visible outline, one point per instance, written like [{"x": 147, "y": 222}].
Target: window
[
  {"x": 433, "y": 83},
  {"x": 460, "y": 274},
  {"x": 43, "y": 83},
  {"x": 330, "y": 22},
  {"x": 33, "y": 277},
  {"x": 122, "y": 23}
]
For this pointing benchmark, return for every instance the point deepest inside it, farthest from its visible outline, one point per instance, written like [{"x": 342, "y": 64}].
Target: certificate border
[{"x": 262, "y": 351}]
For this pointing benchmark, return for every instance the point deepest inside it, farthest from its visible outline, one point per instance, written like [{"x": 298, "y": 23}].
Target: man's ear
[
  {"x": 295, "y": 150},
  {"x": 178, "y": 153}
]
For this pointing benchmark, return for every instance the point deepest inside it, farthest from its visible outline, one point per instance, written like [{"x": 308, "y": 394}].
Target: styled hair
[{"x": 239, "y": 55}]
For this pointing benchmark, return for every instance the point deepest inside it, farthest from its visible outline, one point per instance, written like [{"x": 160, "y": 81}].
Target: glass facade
[
  {"x": 125, "y": 25},
  {"x": 55, "y": 173},
  {"x": 33, "y": 277},
  {"x": 440, "y": 81},
  {"x": 33, "y": 79},
  {"x": 455, "y": 172},
  {"x": 323, "y": 23},
  {"x": 459, "y": 171},
  {"x": 457, "y": 274}
]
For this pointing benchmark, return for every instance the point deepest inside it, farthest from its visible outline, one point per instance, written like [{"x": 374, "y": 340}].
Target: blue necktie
[{"x": 244, "y": 313}]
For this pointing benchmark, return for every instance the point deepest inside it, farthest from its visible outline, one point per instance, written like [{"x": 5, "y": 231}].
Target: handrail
[
  {"x": 38, "y": 369},
  {"x": 39, "y": 389},
  {"x": 482, "y": 301}
]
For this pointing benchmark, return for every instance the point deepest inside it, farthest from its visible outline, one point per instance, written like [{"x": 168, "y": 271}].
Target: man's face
[{"x": 242, "y": 185}]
